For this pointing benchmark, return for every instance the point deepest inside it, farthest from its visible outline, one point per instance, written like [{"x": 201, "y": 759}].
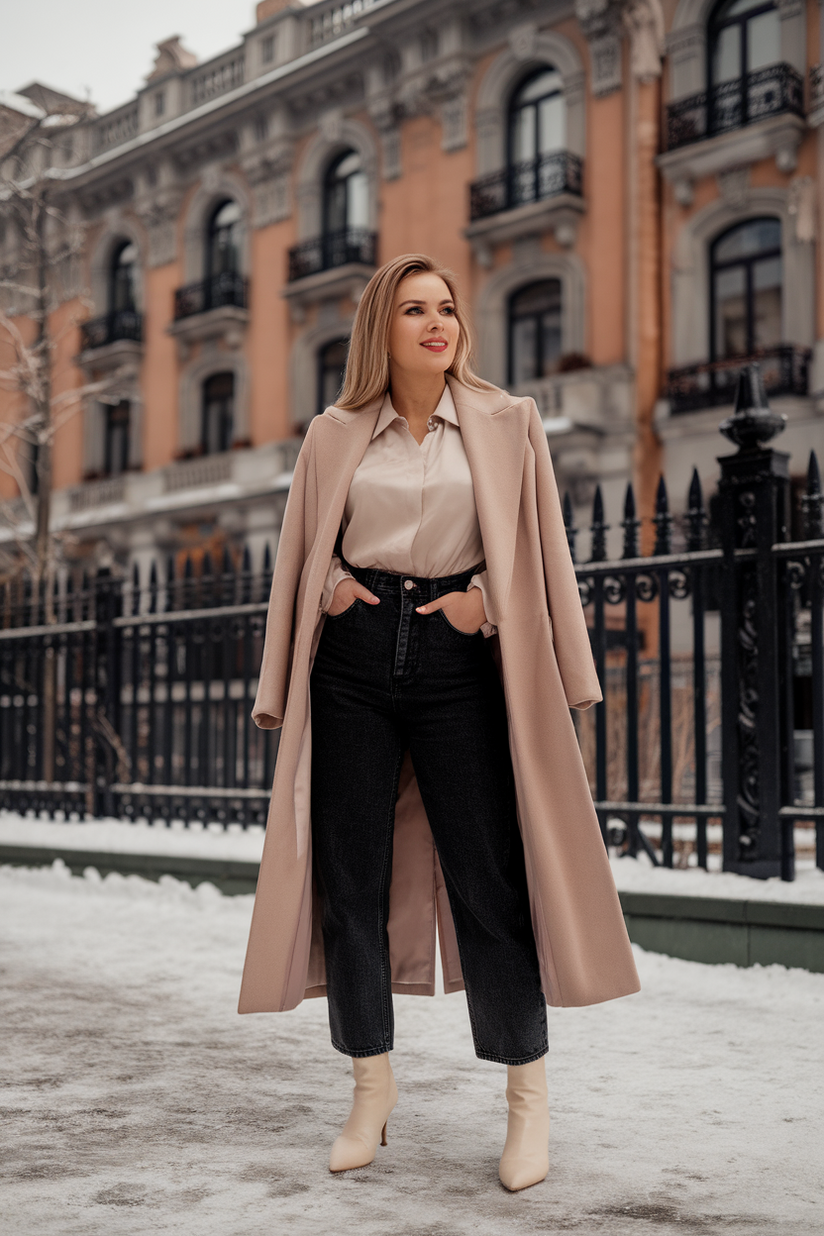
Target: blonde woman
[{"x": 424, "y": 644}]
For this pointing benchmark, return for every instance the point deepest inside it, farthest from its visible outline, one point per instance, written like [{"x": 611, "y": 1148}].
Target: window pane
[
  {"x": 730, "y": 313},
  {"x": 767, "y": 279},
  {"x": 117, "y": 438},
  {"x": 550, "y": 342},
  {"x": 332, "y": 369},
  {"x": 736, "y": 9},
  {"x": 347, "y": 165},
  {"x": 726, "y": 55},
  {"x": 357, "y": 200},
  {"x": 523, "y": 135},
  {"x": 536, "y": 87},
  {"x": 757, "y": 236},
  {"x": 218, "y": 413},
  {"x": 763, "y": 40},
  {"x": 538, "y": 298},
  {"x": 524, "y": 350},
  {"x": 551, "y": 116}
]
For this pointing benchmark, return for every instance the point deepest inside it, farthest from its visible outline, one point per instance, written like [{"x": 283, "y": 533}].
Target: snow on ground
[
  {"x": 124, "y": 837},
  {"x": 136, "y": 1101}
]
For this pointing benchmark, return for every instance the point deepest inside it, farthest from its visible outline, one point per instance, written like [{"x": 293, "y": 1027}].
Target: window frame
[
  {"x": 511, "y": 319},
  {"x": 713, "y": 29},
  {"x": 228, "y": 423},
  {"x": 747, "y": 262}
]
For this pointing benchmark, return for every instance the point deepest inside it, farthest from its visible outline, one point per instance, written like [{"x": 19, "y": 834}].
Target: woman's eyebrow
[{"x": 447, "y": 300}]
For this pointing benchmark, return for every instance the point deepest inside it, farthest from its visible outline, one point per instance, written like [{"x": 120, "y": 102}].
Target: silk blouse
[{"x": 411, "y": 508}]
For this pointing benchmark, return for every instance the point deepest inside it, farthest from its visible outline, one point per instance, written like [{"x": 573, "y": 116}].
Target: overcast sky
[{"x": 104, "y": 48}]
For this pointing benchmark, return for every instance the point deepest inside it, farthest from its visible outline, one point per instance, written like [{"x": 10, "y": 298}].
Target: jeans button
[{"x": 408, "y": 584}]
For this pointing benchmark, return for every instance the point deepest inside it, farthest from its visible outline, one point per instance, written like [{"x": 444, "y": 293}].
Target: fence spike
[
  {"x": 569, "y": 525},
  {"x": 630, "y": 524},
  {"x": 135, "y": 587},
  {"x": 245, "y": 576},
  {"x": 598, "y": 528},
  {"x": 170, "y": 583},
  {"x": 662, "y": 519},
  {"x": 696, "y": 515},
  {"x": 267, "y": 559},
  {"x": 153, "y": 587},
  {"x": 812, "y": 500}
]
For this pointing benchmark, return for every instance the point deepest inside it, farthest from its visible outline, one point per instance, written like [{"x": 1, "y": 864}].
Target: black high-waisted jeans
[{"x": 386, "y": 679}]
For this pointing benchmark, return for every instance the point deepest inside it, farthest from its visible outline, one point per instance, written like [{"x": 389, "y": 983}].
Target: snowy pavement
[
  {"x": 245, "y": 845},
  {"x": 135, "y": 1100}
]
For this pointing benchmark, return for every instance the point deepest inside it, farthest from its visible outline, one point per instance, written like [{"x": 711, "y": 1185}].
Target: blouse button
[{"x": 408, "y": 585}]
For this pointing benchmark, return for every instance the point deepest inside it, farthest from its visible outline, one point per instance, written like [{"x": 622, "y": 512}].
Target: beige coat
[{"x": 546, "y": 665}]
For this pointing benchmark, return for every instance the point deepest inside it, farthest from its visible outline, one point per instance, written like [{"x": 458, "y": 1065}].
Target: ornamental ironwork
[
  {"x": 733, "y": 104},
  {"x": 534, "y": 180}
]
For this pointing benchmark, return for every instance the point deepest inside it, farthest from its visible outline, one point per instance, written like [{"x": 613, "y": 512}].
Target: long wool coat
[{"x": 546, "y": 666}]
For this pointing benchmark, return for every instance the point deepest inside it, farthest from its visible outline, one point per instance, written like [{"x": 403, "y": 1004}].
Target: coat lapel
[
  {"x": 341, "y": 438},
  {"x": 494, "y": 431}
]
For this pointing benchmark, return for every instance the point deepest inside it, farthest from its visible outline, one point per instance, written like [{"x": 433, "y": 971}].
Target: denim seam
[{"x": 386, "y": 1001}]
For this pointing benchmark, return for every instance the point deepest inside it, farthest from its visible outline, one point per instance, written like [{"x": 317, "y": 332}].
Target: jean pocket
[
  {"x": 336, "y": 617},
  {"x": 457, "y": 630}
]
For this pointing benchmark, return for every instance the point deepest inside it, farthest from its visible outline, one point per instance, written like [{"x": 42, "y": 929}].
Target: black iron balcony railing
[
  {"x": 816, "y": 85},
  {"x": 785, "y": 370},
  {"x": 734, "y": 104},
  {"x": 349, "y": 244},
  {"x": 119, "y": 324},
  {"x": 216, "y": 292},
  {"x": 520, "y": 183}
]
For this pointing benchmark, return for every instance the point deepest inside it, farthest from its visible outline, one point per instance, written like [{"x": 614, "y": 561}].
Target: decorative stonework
[
  {"x": 600, "y": 21},
  {"x": 733, "y": 186},
  {"x": 159, "y": 214}
]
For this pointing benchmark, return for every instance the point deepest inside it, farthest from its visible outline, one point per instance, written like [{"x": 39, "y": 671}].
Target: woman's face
[{"x": 424, "y": 332}]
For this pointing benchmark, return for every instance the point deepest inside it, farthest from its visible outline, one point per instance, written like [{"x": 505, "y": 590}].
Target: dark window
[
  {"x": 267, "y": 48},
  {"x": 534, "y": 331},
  {"x": 217, "y": 430},
  {"x": 744, "y": 36},
  {"x": 116, "y": 454},
  {"x": 746, "y": 281},
  {"x": 223, "y": 240},
  {"x": 537, "y": 118},
  {"x": 331, "y": 371},
  {"x": 345, "y": 194},
  {"x": 122, "y": 278}
]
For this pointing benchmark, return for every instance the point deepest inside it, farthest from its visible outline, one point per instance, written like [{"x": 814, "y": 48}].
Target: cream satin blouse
[{"x": 411, "y": 508}]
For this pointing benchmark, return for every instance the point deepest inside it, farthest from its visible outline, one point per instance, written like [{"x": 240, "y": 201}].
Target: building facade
[{"x": 629, "y": 193}]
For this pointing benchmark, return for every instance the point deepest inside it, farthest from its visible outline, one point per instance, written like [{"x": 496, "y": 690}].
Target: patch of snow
[
  {"x": 125, "y": 837},
  {"x": 135, "y": 1100},
  {"x": 639, "y": 876}
]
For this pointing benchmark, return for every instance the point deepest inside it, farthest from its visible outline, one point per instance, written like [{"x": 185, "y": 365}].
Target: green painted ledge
[{"x": 708, "y": 929}]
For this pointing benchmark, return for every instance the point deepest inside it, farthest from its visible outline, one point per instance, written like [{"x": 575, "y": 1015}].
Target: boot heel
[{"x": 383, "y": 1133}]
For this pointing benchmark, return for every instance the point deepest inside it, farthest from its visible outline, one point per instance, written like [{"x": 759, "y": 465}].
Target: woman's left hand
[{"x": 465, "y": 610}]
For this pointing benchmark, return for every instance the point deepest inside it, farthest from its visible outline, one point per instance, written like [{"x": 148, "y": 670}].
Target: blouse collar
[{"x": 445, "y": 410}]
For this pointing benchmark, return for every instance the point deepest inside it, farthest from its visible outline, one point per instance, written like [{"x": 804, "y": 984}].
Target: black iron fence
[
  {"x": 331, "y": 250},
  {"x": 132, "y": 698},
  {"x": 136, "y": 701},
  {"x": 533, "y": 180},
  {"x": 733, "y": 104},
  {"x": 227, "y": 289},
  {"x": 111, "y": 327}
]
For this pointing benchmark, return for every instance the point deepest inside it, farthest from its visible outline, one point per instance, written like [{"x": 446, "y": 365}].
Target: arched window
[
  {"x": 218, "y": 418},
  {"x": 331, "y": 370},
  {"x": 744, "y": 40},
  {"x": 534, "y": 331},
  {"x": 223, "y": 240},
  {"x": 537, "y": 136},
  {"x": 122, "y": 278},
  {"x": 345, "y": 195},
  {"x": 746, "y": 281}
]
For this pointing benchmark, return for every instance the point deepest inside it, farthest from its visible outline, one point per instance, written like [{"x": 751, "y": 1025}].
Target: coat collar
[{"x": 494, "y": 427}]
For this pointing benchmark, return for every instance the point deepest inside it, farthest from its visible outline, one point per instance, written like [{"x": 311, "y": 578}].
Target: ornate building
[{"x": 630, "y": 194}]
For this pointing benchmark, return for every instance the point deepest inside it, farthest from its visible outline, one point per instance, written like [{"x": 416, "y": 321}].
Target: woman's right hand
[{"x": 346, "y": 593}]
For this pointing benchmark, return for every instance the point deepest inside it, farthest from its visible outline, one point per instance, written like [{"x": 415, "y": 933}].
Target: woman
[{"x": 424, "y": 643}]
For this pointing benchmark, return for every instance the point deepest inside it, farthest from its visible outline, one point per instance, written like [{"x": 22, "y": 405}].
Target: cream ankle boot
[
  {"x": 375, "y": 1096},
  {"x": 525, "y": 1160}
]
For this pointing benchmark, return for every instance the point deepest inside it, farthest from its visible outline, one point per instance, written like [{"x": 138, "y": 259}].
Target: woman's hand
[
  {"x": 345, "y": 594},
  {"x": 465, "y": 610}
]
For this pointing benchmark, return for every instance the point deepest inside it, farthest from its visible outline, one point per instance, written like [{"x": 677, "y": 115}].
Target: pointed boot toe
[{"x": 375, "y": 1096}]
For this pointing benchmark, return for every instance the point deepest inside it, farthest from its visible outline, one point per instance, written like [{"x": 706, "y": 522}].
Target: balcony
[
  {"x": 228, "y": 289},
  {"x": 350, "y": 246},
  {"x": 815, "y": 116},
  {"x": 526, "y": 199},
  {"x": 772, "y": 91},
  {"x": 111, "y": 327},
  {"x": 112, "y": 342},
  {"x": 785, "y": 370},
  {"x": 215, "y": 308},
  {"x": 532, "y": 181}
]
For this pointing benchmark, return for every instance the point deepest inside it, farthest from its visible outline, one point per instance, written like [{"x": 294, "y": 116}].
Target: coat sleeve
[
  {"x": 273, "y": 683},
  {"x": 569, "y": 629}
]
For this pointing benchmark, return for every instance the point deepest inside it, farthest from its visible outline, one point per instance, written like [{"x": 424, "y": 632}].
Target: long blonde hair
[{"x": 367, "y": 365}]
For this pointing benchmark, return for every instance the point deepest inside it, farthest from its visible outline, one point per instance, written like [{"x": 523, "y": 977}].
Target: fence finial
[{"x": 753, "y": 422}]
